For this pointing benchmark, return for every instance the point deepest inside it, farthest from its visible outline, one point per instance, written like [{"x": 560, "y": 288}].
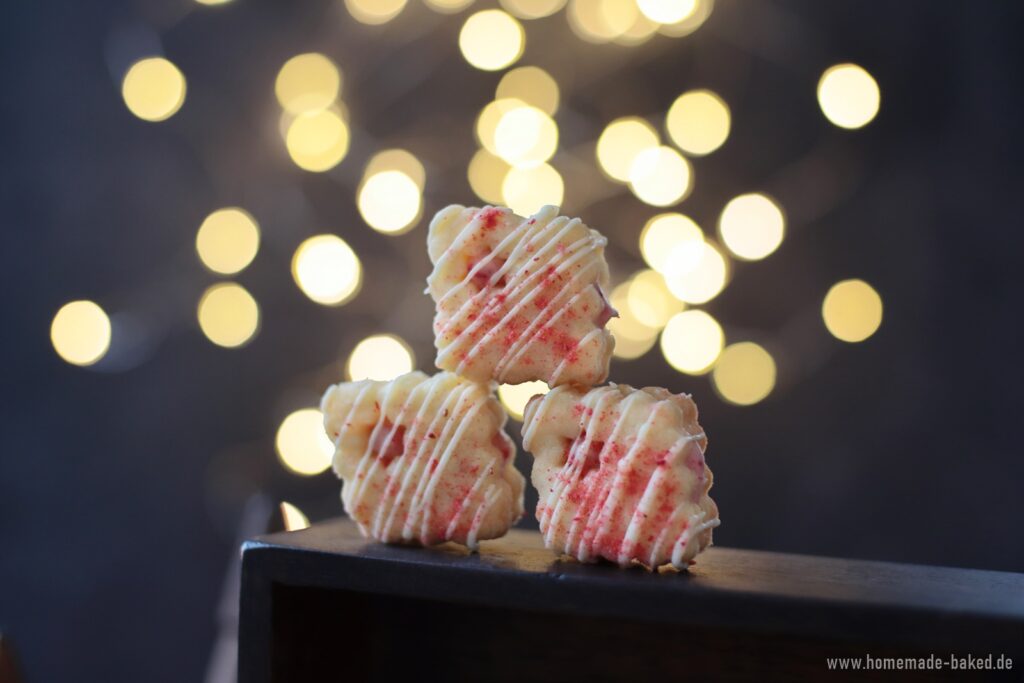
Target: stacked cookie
[{"x": 620, "y": 471}]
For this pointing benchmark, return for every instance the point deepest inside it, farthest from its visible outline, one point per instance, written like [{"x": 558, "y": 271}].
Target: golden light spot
[
  {"x": 752, "y": 226},
  {"x": 153, "y": 89},
  {"x": 449, "y": 6},
  {"x": 526, "y": 190},
  {"x": 702, "y": 10},
  {"x": 489, "y": 118},
  {"x": 532, "y": 9},
  {"x": 80, "y": 332},
  {"x": 852, "y": 310},
  {"x": 744, "y": 374},
  {"x": 700, "y": 282},
  {"x": 375, "y": 11},
  {"x": 665, "y": 233},
  {"x": 632, "y": 337},
  {"x": 390, "y": 202},
  {"x": 491, "y": 40},
  {"x": 848, "y": 96},
  {"x": 650, "y": 301},
  {"x": 327, "y": 270},
  {"x": 380, "y": 357},
  {"x": 515, "y": 396},
  {"x": 692, "y": 341},
  {"x": 532, "y": 85},
  {"x": 621, "y": 142},
  {"x": 641, "y": 30},
  {"x": 228, "y": 315},
  {"x": 397, "y": 160},
  {"x": 660, "y": 176},
  {"x": 486, "y": 175},
  {"x": 317, "y": 141},
  {"x": 228, "y": 240},
  {"x": 526, "y": 136},
  {"x": 601, "y": 21},
  {"x": 213, "y": 2},
  {"x": 302, "y": 444},
  {"x": 668, "y": 11},
  {"x": 698, "y": 122},
  {"x": 293, "y": 518},
  {"x": 307, "y": 82}
]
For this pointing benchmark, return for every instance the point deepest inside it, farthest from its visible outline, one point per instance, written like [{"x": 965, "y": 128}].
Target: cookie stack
[{"x": 620, "y": 472}]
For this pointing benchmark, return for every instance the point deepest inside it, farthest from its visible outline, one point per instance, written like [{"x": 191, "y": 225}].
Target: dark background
[{"x": 121, "y": 486}]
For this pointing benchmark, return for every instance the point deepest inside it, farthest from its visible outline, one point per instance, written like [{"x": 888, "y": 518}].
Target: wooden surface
[{"x": 806, "y": 604}]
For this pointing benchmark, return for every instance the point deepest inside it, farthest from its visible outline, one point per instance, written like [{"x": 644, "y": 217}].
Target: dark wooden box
[{"x": 325, "y": 604}]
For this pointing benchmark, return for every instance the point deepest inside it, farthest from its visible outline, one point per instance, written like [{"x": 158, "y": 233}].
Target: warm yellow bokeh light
[
  {"x": 489, "y": 118},
  {"x": 744, "y": 374},
  {"x": 852, "y": 310},
  {"x": 668, "y": 11},
  {"x": 698, "y": 122},
  {"x": 660, "y": 176},
  {"x": 80, "y": 332},
  {"x": 692, "y": 341},
  {"x": 228, "y": 240},
  {"x": 526, "y": 136},
  {"x": 390, "y": 202},
  {"x": 848, "y": 96},
  {"x": 632, "y": 338},
  {"x": 375, "y": 11},
  {"x": 532, "y": 9},
  {"x": 515, "y": 396},
  {"x": 650, "y": 301},
  {"x": 380, "y": 357},
  {"x": 318, "y": 141},
  {"x": 702, "y": 10},
  {"x": 752, "y": 226},
  {"x": 294, "y": 519},
  {"x": 397, "y": 160},
  {"x": 327, "y": 270},
  {"x": 526, "y": 190},
  {"x": 486, "y": 173},
  {"x": 621, "y": 142},
  {"x": 601, "y": 21},
  {"x": 448, "y": 6},
  {"x": 228, "y": 315},
  {"x": 153, "y": 89},
  {"x": 213, "y": 2},
  {"x": 302, "y": 443},
  {"x": 699, "y": 280},
  {"x": 531, "y": 85},
  {"x": 491, "y": 40},
  {"x": 640, "y": 32},
  {"x": 667, "y": 233},
  {"x": 307, "y": 82}
]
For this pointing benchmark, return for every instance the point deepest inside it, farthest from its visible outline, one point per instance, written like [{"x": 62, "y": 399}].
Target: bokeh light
[
  {"x": 491, "y": 40},
  {"x": 448, "y": 6},
  {"x": 526, "y": 190},
  {"x": 667, "y": 11},
  {"x": 397, "y": 160},
  {"x": 515, "y": 396},
  {"x": 307, "y": 82},
  {"x": 153, "y": 89},
  {"x": 702, "y": 10},
  {"x": 744, "y": 374},
  {"x": 640, "y": 32},
  {"x": 621, "y": 142},
  {"x": 380, "y": 357},
  {"x": 696, "y": 282},
  {"x": 852, "y": 310},
  {"x": 632, "y": 337},
  {"x": 848, "y": 95},
  {"x": 526, "y": 136},
  {"x": 650, "y": 301},
  {"x": 489, "y": 118},
  {"x": 302, "y": 443},
  {"x": 486, "y": 174},
  {"x": 752, "y": 226},
  {"x": 318, "y": 141},
  {"x": 691, "y": 342},
  {"x": 390, "y": 202},
  {"x": 532, "y": 9},
  {"x": 698, "y": 122},
  {"x": 671, "y": 238},
  {"x": 660, "y": 176},
  {"x": 531, "y": 85},
  {"x": 375, "y": 11},
  {"x": 293, "y": 518},
  {"x": 80, "y": 332},
  {"x": 228, "y": 240},
  {"x": 601, "y": 21},
  {"x": 228, "y": 315},
  {"x": 327, "y": 270}
]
